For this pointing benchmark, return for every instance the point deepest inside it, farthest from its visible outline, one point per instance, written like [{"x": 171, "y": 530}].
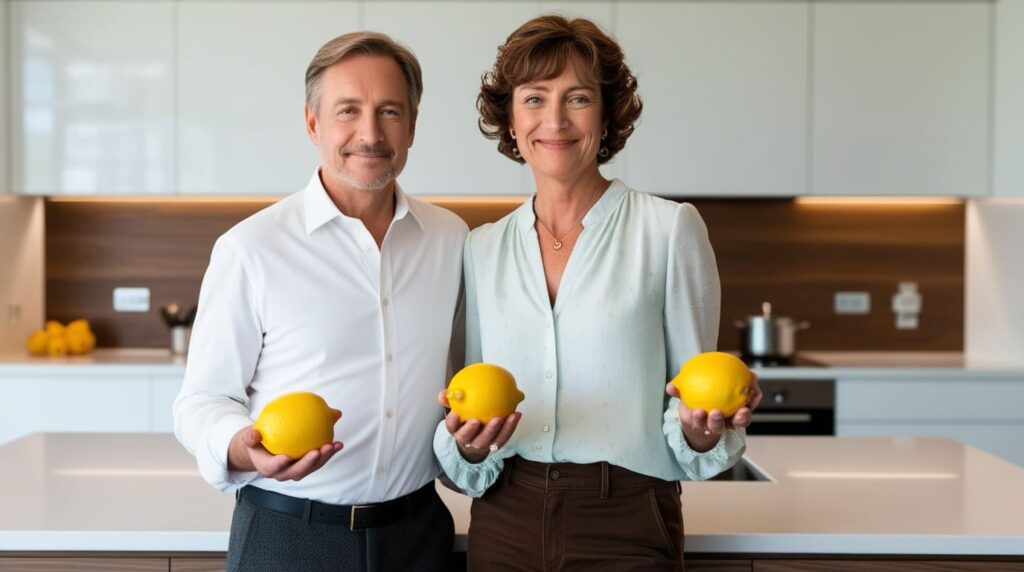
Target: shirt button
[
  {"x": 385, "y": 302},
  {"x": 548, "y": 374},
  {"x": 390, "y": 359},
  {"x": 536, "y": 446},
  {"x": 546, "y": 428},
  {"x": 380, "y": 470},
  {"x": 390, "y": 414},
  {"x": 554, "y": 475}
]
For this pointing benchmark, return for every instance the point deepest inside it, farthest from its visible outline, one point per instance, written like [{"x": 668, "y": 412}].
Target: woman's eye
[
  {"x": 579, "y": 99},
  {"x": 533, "y": 99}
]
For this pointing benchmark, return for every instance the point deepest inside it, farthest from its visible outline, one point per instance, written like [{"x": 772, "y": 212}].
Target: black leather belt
[{"x": 355, "y": 517}]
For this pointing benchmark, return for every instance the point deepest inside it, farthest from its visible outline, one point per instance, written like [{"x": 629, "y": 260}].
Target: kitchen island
[{"x": 139, "y": 496}]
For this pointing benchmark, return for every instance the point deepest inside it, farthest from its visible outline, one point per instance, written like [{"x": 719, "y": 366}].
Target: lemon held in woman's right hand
[{"x": 483, "y": 391}]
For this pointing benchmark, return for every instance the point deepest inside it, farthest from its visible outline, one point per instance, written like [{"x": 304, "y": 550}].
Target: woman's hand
[
  {"x": 475, "y": 439},
  {"x": 703, "y": 428}
]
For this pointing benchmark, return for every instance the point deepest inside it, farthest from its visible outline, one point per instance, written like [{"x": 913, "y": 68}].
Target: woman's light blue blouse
[{"x": 640, "y": 295}]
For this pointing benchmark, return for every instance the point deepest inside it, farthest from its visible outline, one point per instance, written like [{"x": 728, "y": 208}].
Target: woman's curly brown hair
[{"x": 541, "y": 49}]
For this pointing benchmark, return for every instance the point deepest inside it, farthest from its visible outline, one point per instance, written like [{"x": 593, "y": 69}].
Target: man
[{"x": 348, "y": 289}]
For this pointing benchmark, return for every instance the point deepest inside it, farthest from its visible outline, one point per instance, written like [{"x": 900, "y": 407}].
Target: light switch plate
[
  {"x": 852, "y": 302},
  {"x": 131, "y": 299}
]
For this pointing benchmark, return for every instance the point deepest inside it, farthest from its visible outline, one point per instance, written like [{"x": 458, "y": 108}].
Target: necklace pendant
[{"x": 557, "y": 245}]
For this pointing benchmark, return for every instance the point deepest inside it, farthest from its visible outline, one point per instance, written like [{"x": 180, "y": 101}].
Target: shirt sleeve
[
  {"x": 473, "y": 478},
  {"x": 226, "y": 341},
  {"x": 692, "y": 310}
]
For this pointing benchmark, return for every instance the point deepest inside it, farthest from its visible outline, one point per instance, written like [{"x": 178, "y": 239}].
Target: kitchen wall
[
  {"x": 796, "y": 254},
  {"x": 21, "y": 269},
  {"x": 994, "y": 329}
]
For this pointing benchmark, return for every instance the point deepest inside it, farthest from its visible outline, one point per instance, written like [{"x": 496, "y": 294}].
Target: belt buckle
[{"x": 352, "y": 515}]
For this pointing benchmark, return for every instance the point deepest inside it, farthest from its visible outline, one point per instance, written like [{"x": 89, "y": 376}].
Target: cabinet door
[
  {"x": 724, "y": 87},
  {"x": 93, "y": 86},
  {"x": 1008, "y": 178},
  {"x": 449, "y": 155},
  {"x": 5, "y": 124},
  {"x": 163, "y": 390},
  {"x": 901, "y": 98},
  {"x": 83, "y": 564},
  {"x": 1001, "y": 439},
  {"x": 73, "y": 403},
  {"x": 241, "y": 89}
]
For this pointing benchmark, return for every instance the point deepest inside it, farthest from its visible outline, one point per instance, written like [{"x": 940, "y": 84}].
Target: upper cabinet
[
  {"x": 724, "y": 87},
  {"x": 901, "y": 96},
  {"x": 241, "y": 92},
  {"x": 92, "y": 91},
  {"x": 1008, "y": 178}
]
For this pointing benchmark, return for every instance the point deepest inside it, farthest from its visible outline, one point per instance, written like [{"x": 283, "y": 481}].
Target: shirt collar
[
  {"x": 608, "y": 202},
  {"x": 320, "y": 209}
]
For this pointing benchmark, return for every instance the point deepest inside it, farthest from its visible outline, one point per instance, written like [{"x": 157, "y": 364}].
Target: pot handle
[
  {"x": 803, "y": 325},
  {"x": 740, "y": 324}
]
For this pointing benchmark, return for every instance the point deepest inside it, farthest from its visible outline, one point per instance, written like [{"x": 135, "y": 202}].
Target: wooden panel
[
  {"x": 794, "y": 255},
  {"x": 83, "y": 564},
  {"x": 696, "y": 565},
  {"x": 884, "y": 566},
  {"x": 198, "y": 564}
]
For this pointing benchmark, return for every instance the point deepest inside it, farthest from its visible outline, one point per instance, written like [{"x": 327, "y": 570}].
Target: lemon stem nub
[{"x": 457, "y": 395}]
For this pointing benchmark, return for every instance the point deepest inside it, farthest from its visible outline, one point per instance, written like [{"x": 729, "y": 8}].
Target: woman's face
[{"x": 557, "y": 124}]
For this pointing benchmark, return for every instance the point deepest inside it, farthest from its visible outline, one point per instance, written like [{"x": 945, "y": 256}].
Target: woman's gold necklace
[{"x": 557, "y": 245}]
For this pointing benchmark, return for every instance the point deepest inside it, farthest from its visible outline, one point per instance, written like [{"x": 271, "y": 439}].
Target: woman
[{"x": 592, "y": 295}]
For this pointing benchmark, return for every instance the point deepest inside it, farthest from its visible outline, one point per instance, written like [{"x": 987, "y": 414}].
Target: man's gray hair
[{"x": 367, "y": 44}]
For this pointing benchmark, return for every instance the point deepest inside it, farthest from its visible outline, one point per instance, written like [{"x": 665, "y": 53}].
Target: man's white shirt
[{"x": 298, "y": 297}]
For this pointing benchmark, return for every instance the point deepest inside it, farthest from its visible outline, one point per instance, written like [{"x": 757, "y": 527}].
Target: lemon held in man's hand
[
  {"x": 295, "y": 424},
  {"x": 714, "y": 380},
  {"x": 483, "y": 391}
]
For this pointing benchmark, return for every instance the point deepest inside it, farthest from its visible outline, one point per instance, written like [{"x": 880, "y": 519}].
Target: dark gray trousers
[{"x": 262, "y": 539}]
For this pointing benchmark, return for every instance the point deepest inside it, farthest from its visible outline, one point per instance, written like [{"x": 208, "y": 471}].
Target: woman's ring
[
  {"x": 494, "y": 447},
  {"x": 467, "y": 445}
]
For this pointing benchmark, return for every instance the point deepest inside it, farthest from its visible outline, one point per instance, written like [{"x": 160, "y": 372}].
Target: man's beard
[{"x": 376, "y": 183}]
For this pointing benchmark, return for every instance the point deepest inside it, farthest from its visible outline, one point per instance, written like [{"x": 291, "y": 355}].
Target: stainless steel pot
[{"x": 766, "y": 336}]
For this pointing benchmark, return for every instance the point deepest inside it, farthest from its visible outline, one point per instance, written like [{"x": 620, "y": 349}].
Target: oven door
[{"x": 795, "y": 407}]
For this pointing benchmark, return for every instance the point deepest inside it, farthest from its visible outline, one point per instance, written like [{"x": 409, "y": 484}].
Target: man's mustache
[{"x": 374, "y": 150}]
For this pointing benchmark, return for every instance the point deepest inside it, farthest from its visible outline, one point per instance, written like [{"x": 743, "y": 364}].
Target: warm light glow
[
  {"x": 166, "y": 199},
  {"x": 126, "y": 472},
  {"x": 870, "y": 475},
  {"x": 878, "y": 201}
]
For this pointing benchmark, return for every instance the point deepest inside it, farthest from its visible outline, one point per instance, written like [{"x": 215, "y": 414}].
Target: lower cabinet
[
  {"x": 46, "y": 564},
  {"x": 74, "y": 402},
  {"x": 982, "y": 411}
]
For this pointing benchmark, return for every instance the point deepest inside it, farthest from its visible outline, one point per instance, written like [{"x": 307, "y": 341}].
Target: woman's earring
[
  {"x": 512, "y": 132},
  {"x": 604, "y": 134},
  {"x": 516, "y": 153},
  {"x": 603, "y": 152}
]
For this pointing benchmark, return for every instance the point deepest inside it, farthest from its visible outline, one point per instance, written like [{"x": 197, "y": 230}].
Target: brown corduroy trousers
[{"x": 564, "y": 516}]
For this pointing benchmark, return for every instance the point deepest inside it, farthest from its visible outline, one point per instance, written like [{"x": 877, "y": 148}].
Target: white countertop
[
  {"x": 135, "y": 492},
  {"x": 839, "y": 365}
]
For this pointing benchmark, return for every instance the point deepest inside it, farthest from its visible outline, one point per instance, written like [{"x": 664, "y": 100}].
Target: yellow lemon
[
  {"x": 80, "y": 342},
  {"x": 295, "y": 424},
  {"x": 57, "y": 346},
  {"x": 76, "y": 325},
  {"x": 483, "y": 391},
  {"x": 714, "y": 380},
  {"x": 37, "y": 343},
  {"x": 54, "y": 328}
]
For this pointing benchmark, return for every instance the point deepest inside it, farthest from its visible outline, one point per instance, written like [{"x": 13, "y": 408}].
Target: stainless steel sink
[{"x": 742, "y": 471}]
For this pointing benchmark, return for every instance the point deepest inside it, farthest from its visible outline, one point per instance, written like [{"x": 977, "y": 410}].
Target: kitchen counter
[
  {"x": 844, "y": 365},
  {"x": 141, "y": 493},
  {"x": 121, "y": 361}
]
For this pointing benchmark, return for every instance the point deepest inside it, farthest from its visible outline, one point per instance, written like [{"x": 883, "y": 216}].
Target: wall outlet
[
  {"x": 852, "y": 302},
  {"x": 131, "y": 299},
  {"x": 906, "y": 304}
]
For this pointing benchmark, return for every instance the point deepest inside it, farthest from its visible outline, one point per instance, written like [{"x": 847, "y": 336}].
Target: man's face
[{"x": 364, "y": 126}]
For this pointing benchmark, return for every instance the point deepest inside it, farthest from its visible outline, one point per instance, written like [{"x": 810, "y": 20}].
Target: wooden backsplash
[{"x": 791, "y": 254}]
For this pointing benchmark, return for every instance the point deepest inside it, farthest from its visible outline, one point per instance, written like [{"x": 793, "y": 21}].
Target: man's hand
[
  {"x": 702, "y": 429},
  {"x": 246, "y": 453},
  {"x": 474, "y": 438}
]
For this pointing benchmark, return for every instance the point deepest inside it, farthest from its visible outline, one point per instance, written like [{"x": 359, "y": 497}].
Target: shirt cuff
[
  {"x": 699, "y": 466},
  {"x": 473, "y": 478},
  {"x": 213, "y": 458}
]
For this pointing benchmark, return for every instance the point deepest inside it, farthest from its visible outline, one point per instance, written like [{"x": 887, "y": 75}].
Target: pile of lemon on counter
[{"x": 56, "y": 339}]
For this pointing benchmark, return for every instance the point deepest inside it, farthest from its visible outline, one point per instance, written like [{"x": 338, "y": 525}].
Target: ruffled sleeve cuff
[
  {"x": 702, "y": 466},
  {"x": 473, "y": 478}
]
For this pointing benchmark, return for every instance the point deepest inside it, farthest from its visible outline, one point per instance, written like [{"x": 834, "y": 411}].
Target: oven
[{"x": 795, "y": 407}]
